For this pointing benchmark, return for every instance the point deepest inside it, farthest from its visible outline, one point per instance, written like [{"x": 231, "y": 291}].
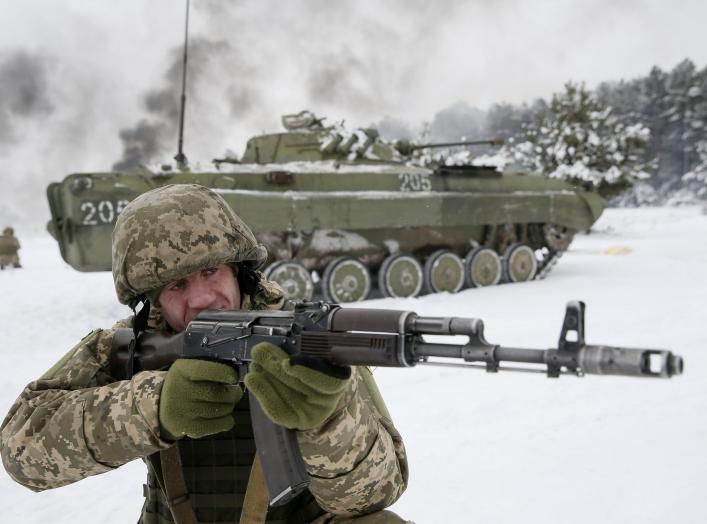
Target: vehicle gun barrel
[
  {"x": 405, "y": 147},
  {"x": 489, "y": 142}
]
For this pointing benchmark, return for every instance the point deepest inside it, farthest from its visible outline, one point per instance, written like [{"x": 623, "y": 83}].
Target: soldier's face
[{"x": 213, "y": 288}]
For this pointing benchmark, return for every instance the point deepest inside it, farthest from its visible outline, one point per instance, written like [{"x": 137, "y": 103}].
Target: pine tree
[
  {"x": 579, "y": 139},
  {"x": 696, "y": 179},
  {"x": 673, "y": 105}
]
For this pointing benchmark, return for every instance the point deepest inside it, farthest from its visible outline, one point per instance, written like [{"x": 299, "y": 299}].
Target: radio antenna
[{"x": 181, "y": 157}]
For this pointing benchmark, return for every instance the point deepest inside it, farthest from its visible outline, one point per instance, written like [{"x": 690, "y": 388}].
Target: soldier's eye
[
  {"x": 210, "y": 271},
  {"x": 177, "y": 286}
]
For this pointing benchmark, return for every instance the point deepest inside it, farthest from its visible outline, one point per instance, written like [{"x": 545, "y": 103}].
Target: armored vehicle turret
[{"x": 345, "y": 214}]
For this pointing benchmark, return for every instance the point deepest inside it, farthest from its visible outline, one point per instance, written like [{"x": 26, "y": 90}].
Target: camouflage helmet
[
  {"x": 167, "y": 233},
  {"x": 8, "y": 231}
]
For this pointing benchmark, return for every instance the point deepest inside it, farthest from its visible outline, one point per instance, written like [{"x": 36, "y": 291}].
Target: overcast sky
[{"x": 73, "y": 74}]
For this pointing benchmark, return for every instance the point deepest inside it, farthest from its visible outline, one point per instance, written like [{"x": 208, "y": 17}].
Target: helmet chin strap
[
  {"x": 139, "y": 325},
  {"x": 247, "y": 280}
]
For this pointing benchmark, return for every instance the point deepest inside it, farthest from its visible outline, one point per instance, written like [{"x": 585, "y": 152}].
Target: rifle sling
[
  {"x": 255, "y": 503},
  {"x": 170, "y": 477}
]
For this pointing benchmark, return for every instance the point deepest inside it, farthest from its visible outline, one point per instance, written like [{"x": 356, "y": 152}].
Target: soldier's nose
[{"x": 201, "y": 297}]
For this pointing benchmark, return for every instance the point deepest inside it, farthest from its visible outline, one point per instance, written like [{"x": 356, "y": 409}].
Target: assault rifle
[{"x": 366, "y": 337}]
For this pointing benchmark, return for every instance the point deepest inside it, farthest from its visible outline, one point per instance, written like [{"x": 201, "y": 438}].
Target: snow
[
  {"x": 286, "y": 196},
  {"x": 326, "y": 166},
  {"x": 355, "y": 143},
  {"x": 329, "y": 240},
  {"x": 499, "y": 448},
  {"x": 370, "y": 195}
]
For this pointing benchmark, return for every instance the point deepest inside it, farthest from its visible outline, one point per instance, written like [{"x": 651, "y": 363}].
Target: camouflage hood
[{"x": 167, "y": 233}]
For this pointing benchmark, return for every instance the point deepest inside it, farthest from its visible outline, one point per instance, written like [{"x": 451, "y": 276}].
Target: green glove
[
  {"x": 197, "y": 399},
  {"x": 298, "y": 392}
]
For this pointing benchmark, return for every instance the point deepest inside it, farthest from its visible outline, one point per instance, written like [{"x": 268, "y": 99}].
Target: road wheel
[
  {"x": 482, "y": 267},
  {"x": 444, "y": 271},
  {"x": 346, "y": 279},
  {"x": 519, "y": 263},
  {"x": 400, "y": 276},
  {"x": 294, "y": 279}
]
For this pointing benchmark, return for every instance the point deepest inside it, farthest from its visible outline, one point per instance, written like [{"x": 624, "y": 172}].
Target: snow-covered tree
[
  {"x": 685, "y": 113},
  {"x": 579, "y": 139},
  {"x": 696, "y": 179}
]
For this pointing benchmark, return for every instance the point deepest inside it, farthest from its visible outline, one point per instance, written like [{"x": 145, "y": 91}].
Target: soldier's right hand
[{"x": 197, "y": 399}]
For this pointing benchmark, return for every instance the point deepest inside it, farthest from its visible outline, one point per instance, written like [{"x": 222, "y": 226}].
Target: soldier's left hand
[{"x": 298, "y": 392}]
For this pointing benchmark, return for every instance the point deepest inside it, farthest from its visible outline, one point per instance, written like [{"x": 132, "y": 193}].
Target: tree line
[{"x": 651, "y": 130}]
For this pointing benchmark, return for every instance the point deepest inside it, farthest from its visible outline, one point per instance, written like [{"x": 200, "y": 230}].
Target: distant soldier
[{"x": 9, "y": 246}]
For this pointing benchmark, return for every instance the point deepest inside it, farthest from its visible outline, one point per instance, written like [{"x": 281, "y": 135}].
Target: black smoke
[
  {"x": 154, "y": 137},
  {"x": 141, "y": 143},
  {"x": 24, "y": 91},
  {"x": 342, "y": 78}
]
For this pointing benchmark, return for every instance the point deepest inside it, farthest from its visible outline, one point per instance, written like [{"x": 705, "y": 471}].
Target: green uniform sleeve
[
  {"x": 75, "y": 421},
  {"x": 356, "y": 460}
]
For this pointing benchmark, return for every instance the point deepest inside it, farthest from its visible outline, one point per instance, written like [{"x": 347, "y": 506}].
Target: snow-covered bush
[{"x": 579, "y": 139}]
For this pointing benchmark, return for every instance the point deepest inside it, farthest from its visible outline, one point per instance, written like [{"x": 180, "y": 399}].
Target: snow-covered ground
[{"x": 495, "y": 448}]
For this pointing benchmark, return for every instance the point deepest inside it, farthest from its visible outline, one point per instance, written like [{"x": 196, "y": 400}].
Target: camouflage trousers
[{"x": 379, "y": 517}]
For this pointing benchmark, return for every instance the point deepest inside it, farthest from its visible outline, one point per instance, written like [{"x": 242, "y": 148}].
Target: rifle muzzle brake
[{"x": 607, "y": 360}]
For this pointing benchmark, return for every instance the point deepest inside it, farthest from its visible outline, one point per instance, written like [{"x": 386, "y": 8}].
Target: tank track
[{"x": 549, "y": 264}]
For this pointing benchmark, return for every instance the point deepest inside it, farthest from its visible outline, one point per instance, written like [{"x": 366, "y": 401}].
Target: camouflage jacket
[
  {"x": 9, "y": 245},
  {"x": 77, "y": 421}
]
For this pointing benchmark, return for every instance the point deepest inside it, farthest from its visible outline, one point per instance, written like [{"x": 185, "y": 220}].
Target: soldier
[
  {"x": 9, "y": 246},
  {"x": 180, "y": 249}
]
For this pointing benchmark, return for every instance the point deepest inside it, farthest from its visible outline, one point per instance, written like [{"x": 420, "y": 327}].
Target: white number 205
[
  {"x": 414, "y": 182},
  {"x": 101, "y": 212}
]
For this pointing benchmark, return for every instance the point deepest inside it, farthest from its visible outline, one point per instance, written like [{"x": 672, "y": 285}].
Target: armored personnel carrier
[{"x": 345, "y": 214}]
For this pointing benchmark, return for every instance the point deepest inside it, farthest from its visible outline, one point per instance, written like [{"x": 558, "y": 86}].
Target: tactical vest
[{"x": 216, "y": 470}]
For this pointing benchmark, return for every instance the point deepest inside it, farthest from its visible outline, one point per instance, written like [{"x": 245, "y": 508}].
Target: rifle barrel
[{"x": 591, "y": 360}]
